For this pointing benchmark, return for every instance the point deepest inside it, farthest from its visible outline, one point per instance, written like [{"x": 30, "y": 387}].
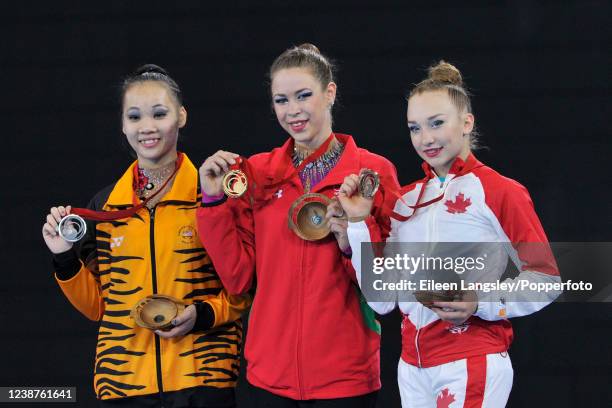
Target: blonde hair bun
[
  {"x": 309, "y": 47},
  {"x": 445, "y": 73}
]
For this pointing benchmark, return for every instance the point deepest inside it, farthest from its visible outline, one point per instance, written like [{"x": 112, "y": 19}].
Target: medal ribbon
[
  {"x": 258, "y": 194},
  {"x": 119, "y": 214},
  {"x": 397, "y": 194}
]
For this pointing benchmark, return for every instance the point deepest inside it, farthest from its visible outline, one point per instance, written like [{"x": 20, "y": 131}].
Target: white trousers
[{"x": 475, "y": 382}]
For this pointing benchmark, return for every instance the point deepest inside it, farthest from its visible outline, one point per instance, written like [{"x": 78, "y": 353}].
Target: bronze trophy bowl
[
  {"x": 307, "y": 216},
  {"x": 427, "y": 297},
  {"x": 156, "y": 312}
]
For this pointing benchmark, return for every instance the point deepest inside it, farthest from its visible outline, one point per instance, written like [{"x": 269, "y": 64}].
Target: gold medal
[{"x": 235, "y": 183}]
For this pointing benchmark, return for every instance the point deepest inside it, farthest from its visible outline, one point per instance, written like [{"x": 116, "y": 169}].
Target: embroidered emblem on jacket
[
  {"x": 187, "y": 234},
  {"x": 459, "y": 206},
  {"x": 445, "y": 398}
]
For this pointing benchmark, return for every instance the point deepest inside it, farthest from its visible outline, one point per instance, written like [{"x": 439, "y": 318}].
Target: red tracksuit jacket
[{"x": 308, "y": 335}]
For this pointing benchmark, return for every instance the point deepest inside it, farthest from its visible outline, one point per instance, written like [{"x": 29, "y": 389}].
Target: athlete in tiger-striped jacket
[
  {"x": 454, "y": 354},
  {"x": 155, "y": 251}
]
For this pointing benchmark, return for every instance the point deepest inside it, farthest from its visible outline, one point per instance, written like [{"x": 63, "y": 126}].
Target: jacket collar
[
  {"x": 184, "y": 188},
  {"x": 348, "y": 164},
  {"x": 458, "y": 168}
]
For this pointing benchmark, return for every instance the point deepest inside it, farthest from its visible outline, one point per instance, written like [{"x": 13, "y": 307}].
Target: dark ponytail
[{"x": 152, "y": 72}]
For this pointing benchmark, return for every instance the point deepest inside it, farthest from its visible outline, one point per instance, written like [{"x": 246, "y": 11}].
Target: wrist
[
  {"x": 358, "y": 218},
  {"x": 211, "y": 191},
  {"x": 211, "y": 198},
  {"x": 205, "y": 317},
  {"x": 66, "y": 264}
]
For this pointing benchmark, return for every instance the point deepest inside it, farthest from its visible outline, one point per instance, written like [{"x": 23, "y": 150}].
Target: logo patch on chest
[
  {"x": 459, "y": 205},
  {"x": 116, "y": 242},
  {"x": 187, "y": 234}
]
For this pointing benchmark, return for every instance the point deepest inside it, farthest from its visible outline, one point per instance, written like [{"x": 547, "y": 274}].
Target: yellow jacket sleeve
[
  {"x": 228, "y": 308},
  {"x": 83, "y": 291}
]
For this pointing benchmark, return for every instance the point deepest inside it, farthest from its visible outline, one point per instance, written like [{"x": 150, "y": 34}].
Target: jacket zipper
[
  {"x": 160, "y": 384},
  {"x": 299, "y": 329},
  {"x": 432, "y": 237},
  {"x": 433, "y": 230},
  {"x": 416, "y": 337}
]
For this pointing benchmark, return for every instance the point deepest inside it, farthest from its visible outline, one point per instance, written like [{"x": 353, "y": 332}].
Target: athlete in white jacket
[{"x": 454, "y": 354}]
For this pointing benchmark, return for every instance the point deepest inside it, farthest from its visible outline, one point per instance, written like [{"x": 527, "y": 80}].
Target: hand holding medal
[
  {"x": 218, "y": 177},
  {"x": 356, "y": 194},
  {"x": 59, "y": 225},
  {"x": 66, "y": 225}
]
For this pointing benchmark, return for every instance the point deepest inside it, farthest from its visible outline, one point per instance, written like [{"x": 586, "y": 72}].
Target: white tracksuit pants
[{"x": 481, "y": 381}]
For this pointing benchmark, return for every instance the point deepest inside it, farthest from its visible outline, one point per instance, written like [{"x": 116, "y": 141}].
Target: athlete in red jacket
[{"x": 310, "y": 335}]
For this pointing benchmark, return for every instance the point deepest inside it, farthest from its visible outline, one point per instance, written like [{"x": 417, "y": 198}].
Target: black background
[{"x": 539, "y": 71}]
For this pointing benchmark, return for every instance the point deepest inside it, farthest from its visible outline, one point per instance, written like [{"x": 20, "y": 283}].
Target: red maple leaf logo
[
  {"x": 445, "y": 398},
  {"x": 459, "y": 205}
]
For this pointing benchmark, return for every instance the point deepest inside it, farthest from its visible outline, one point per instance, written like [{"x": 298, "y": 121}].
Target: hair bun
[
  {"x": 309, "y": 47},
  {"x": 150, "y": 68},
  {"x": 445, "y": 72}
]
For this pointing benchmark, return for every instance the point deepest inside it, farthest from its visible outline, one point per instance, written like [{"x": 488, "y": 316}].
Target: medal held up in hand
[
  {"x": 369, "y": 181},
  {"x": 235, "y": 183},
  {"x": 72, "y": 228}
]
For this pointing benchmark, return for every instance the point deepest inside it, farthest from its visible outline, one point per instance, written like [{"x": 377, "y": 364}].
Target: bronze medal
[{"x": 369, "y": 181}]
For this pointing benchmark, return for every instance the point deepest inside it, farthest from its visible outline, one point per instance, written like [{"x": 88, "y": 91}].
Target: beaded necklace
[
  {"x": 314, "y": 172},
  {"x": 151, "y": 180}
]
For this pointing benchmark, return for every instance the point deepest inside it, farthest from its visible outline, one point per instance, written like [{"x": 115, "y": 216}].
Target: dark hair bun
[
  {"x": 445, "y": 72},
  {"x": 309, "y": 47},
  {"x": 150, "y": 68}
]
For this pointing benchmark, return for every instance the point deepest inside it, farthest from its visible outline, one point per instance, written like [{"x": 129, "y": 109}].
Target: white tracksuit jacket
[{"x": 478, "y": 205}]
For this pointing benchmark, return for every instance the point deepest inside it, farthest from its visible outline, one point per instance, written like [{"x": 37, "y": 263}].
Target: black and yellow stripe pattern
[{"x": 156, "y": 251}]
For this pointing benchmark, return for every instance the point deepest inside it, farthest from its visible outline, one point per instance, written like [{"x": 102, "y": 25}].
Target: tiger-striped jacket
[{"x": 155, "y": 251}]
